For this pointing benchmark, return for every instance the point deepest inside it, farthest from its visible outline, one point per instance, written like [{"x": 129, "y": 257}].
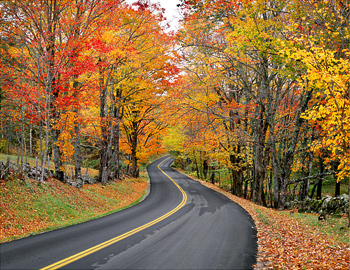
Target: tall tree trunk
[
  {"x": 197, "y": 168},
  {"x": 116, "y": 158},
  {"x": 103, "y": 165},
  {"x": 77, "y": 152},
  {"x": 237, "y": 173},
  {"x": 59, "y": 174},
  {"x": 337, "y": 184},
  {"x": 319, "y": 183},
  {"x": 260, "y": 130},
  {"x": 289, "y": 155},
  {"x": 337, "y": 189},
  {"x": 103, "y": 84},
  {"x": 246, "y": 188},
  {"x": 116, "y": 137},
  {"x": 205, "y": 168},
  {"x": 134, "y": 166},
  {"x": 259, "y": 161},
  {"x": 309, "y": 174},
  {"x": 276, "y": 177},
  {"x": 53, "y": 18},
  {"x": 259, "y": 168}
]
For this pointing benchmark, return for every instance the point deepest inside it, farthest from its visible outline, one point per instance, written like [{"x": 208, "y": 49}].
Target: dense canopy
[{"x": 253, "y": 94}]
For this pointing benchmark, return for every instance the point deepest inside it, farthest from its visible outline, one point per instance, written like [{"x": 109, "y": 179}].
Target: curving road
[{"x": 180, "y": 225}]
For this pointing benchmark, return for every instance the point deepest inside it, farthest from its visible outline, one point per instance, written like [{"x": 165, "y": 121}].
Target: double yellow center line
[{"x": 112, "y": 241}]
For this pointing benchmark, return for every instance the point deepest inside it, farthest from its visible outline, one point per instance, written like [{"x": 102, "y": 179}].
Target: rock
[
  {"x": 35, "y": 173},
  {"x": 328, "y": 205},
  {"x": 26, "y": 167},
  {"x": 89, "y": 179},
  {"x": 13, "y": 167},
  {"x": 78, "y": 183}
]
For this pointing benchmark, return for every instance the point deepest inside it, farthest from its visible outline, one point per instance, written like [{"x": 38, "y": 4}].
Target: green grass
[
  {"x": 82, "y": 217},
  {"x": 337, "y": 228},
  {"x": 328, "y": 188},
  {"x": 28, "y": 208},
  {"x": 263, "y": 216}
]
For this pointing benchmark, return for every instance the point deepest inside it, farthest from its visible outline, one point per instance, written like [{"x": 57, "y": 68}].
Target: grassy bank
[{"x": 27, "y": 208}]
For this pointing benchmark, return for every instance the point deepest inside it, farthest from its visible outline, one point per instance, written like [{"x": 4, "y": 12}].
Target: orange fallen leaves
[
  {"x": 286, "y": 243},
  {"x": 28, "y": 208}
]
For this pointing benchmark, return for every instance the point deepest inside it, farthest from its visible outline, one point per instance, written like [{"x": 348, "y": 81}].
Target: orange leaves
[
  {"x": 286, "y": 243},
  {"x": 66, "y": 124}
]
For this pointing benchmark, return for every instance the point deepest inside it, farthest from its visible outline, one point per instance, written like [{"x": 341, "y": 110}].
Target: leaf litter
[
  {"x": 285, "y": 242},
  {"x": 27, "y": 208}
]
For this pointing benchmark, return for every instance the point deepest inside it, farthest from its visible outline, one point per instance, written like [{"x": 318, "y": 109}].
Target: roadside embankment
[{"x": 28, "y": 208}]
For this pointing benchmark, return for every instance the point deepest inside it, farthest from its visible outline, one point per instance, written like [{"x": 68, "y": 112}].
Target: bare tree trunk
[
  {"x": 319, "y": 183},
  {"x": 59, "y": 174},
  {"x": 31, "y": 141},
  {"x": 77, "y": 152},
  {"x": 53, "y": 19},
  {"x": 103, "y": 140},
  {"x": 237, "y": 173},
  {"x": 103, "y": 162},
  {"x": 134, "y": 166},
  {"x": 259, "y": 163},
  {"x": 116, "y": 174},
  {"x": 309, "y": 174},
  {"x": 289, "y": 156},
  {"x": 276, "y": 177}
]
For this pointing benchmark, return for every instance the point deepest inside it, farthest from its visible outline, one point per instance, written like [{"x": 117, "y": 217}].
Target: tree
[
  {"x": 326, "y": 61},
  {"x": 53, "y": 34},
  {"x": 134, "y": 57}
]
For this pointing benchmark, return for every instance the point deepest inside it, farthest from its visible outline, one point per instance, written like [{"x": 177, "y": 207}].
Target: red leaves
[{"x": 141, "y": 5}]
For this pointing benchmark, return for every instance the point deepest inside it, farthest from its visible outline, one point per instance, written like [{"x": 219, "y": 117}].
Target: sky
[{"x": 170, "y": 11}]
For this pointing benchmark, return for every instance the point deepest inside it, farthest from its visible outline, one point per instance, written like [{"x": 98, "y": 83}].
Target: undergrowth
[{"x": 28, "y": 208}]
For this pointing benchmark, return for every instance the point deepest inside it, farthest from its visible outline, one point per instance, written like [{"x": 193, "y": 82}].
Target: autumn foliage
[
  {"x": 29, "y": 209},
  {"x": 85, "y": 79},
  {"x": 252, "y": 95},
  {"x": 263, "y": 103}
]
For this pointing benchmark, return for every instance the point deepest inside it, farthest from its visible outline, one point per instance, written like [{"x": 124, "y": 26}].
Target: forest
[{"x": 254, "y": 95}]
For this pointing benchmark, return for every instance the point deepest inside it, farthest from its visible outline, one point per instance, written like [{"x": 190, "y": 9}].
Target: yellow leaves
[
  {"x": 330, "y": 77},
  {"x": 173, "y": 138},
  {"x": 65, "y": 141},
  {"x": 66, "y": 147}
]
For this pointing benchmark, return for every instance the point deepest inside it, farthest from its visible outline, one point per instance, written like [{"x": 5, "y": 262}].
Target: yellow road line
[{"x": 120, "y": 237}]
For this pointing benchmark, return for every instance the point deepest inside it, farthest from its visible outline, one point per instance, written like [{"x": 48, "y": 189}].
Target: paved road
[{"x": 188, "y": 226}]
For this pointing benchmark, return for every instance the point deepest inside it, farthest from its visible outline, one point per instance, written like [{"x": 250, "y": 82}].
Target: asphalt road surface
[{"x": 180, "y": 225}]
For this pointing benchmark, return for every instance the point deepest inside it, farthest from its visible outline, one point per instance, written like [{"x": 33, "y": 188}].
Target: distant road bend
[{"x": 180, "y": 225}]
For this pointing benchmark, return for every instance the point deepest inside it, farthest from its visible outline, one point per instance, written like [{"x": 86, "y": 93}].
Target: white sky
[{"x": 170, "y": 11}]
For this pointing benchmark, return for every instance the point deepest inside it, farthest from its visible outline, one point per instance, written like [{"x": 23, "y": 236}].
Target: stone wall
[{"x": 334, "y": 206}]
